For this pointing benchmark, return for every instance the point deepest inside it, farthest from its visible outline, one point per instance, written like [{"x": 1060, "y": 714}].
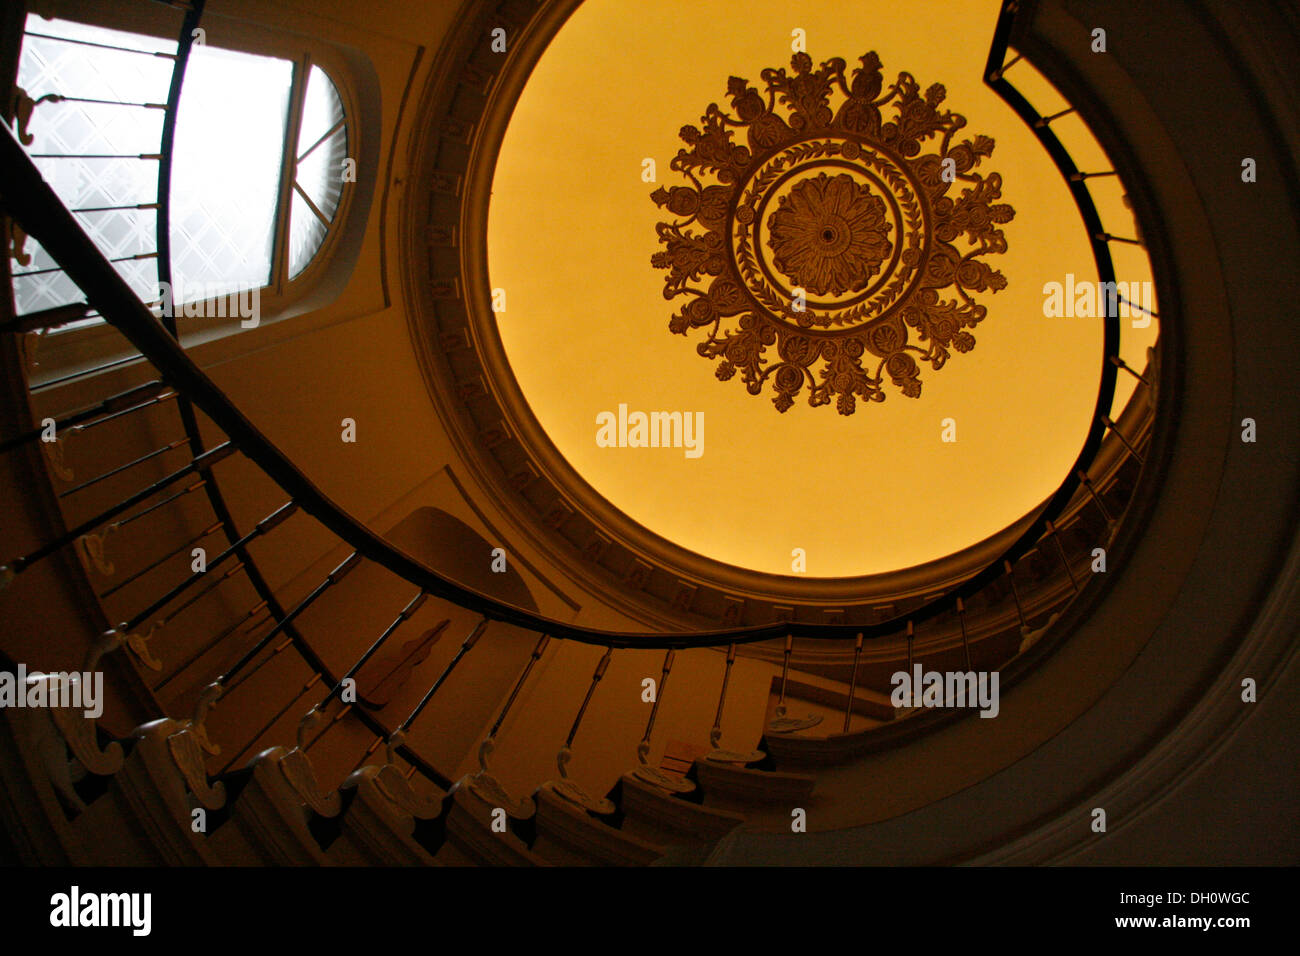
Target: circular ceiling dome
[{"x": 749, "y": 303}]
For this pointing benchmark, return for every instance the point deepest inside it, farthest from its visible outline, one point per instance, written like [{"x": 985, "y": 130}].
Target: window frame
[
  {"x": 280, "y": 265},
  {"x": 69, "y": 352}
]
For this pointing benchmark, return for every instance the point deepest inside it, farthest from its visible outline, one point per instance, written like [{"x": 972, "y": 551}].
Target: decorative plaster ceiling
[
  {"x": 569, "y": 243},
  {"x": 826, "y": 236}
]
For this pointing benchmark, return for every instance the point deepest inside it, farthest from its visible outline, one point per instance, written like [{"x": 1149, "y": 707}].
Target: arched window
[
  {"x": 261, "y": 171},
  {"x": 320, "y": 170}
]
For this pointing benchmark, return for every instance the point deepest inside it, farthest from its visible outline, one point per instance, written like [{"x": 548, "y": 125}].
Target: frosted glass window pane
[
  {"x": 306, "y": 233},
  {"x": 322, "y": 147},
  {"x": 226, "y": 171},
  {"x": 85, "y": 183},
  {"x": 45, "y": 291},
  {"x": 93, "y": 34},
  {"x": 74, "y": 69},
  {"x": 321, "y": 109},
  {"x": 41, "y": 285},
  {"x": 68, "y": 128},
  {"x": 320, "y": 173}
]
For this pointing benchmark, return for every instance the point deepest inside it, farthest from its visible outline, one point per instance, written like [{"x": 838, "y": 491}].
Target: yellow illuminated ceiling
[{"x": 585, "y": 327}]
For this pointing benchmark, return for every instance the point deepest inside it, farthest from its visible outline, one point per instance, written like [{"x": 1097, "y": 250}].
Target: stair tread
[
  {"x": 733, "y": 785},
  {"x": 471, "y": 839},
  {"x": 651, "y": 812},
  {"x": 379, "y": 828},
  {"x": 572, "y": 835}
]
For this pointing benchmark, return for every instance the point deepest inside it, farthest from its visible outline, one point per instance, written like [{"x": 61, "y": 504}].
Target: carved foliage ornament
[{"x": 830, "y": 233}]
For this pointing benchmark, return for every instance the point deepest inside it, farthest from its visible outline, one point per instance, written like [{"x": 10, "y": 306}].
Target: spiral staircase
[{"x": 232, "y": 734}]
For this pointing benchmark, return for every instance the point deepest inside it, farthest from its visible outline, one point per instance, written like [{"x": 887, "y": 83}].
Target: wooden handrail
[{"x": 31, "y": 202}]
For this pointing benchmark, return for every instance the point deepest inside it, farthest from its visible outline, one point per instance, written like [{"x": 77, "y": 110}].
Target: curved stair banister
[
  {"x": 194, "y": 387},
  {"x": 281, "y": 622},
  {"x": 30, "y": 201}
]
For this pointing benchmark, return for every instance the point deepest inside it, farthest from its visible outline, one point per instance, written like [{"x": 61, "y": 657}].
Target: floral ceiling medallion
[{"x": 830, "y": 233}]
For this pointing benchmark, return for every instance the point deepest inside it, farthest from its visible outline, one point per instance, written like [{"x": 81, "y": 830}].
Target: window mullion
[
  {"x": 330, "y": 132},
  {"x": 311, "y": 205},
  {"x": 288, "y": 172}
]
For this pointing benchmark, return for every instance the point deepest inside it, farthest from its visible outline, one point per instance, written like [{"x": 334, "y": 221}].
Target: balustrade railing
[{"x": 30, "y": 202}]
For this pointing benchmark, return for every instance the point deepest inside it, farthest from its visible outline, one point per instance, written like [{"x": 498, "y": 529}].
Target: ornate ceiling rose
[{"x": 830, "y": 234}]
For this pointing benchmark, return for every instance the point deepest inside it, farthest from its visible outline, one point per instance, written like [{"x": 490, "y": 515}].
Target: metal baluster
[
  {"x": 965, "y": 643},
  {"x": 311, "y": 682},
  {"x": 199, "y": 594},
  {"x": 853, "y": 682},
  {"x": 151, "y": 157},
  {"x": 114, "y": 415},
  {"x": 51, "y": 318},
  {"x": 1051, "y": 530},
  {"x": 106, "y": 367},
  {"x": 102, "y": 46},
  {"x": 1087, "y": 483},
  {"x": 1044, "y": 121},
  {"x": 398, "y": 736},
  {"x": 306, "y": 745},
  {"x": 127, "y": 207},
  {"x": 365, "y": 754},
  {"x": 139, "y": 642},
  {"x": 213, "y": 692},
  {"x": 465, "y": 648},
  {"x": 484, "y": 782},
  {"x": 405, "y": 614},
  {"x": 1120, "y": 363},
  {"x": 715, "y": 735},
  {"x": 92, "y": 544},
  {"x": 653, "y": 775},
  {"x": 228, "y": 682},
  {"x": 183, "y": 546},
  {"x": 60, "y": 98},
  {"x": 781, "y": 724},
  {"x": 20, "y": 564},
  {"x": 132, "y": 399},
  {"x": 785, "y": 673},
  {"x": 335, "y": 576},
  {"x": 276, "y": 651},
  {"x": 1015, "y": 593},
  {"x": 564, "y": 786},
  {"x": 313, "y": 716},
  {"x": 248, "y": 620},
  {"x": 998, "y": 73},
  {"x": 915, "y": 699},
  {"x": 1105, "y": 420},
  {"x": 1134, "y": 305},
  {"x": 1080, "y": 177},
  {"x": 170, "y": 446}
]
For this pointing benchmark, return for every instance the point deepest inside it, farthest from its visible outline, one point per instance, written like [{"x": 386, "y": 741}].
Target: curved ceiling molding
[{"x": 466, "y": 110}]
